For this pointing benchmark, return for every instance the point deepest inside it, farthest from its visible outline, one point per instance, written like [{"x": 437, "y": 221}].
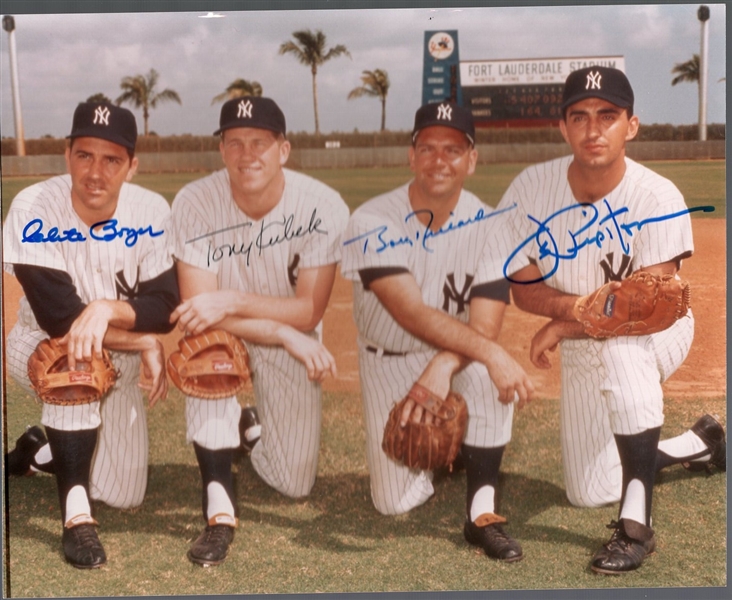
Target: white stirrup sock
[
  {"x": 634, "y": 504},
  {"x": 686, "y": 444},
  {"x": 78, "y": 510},
  {"x": 483, "y": 502},
  {"x": 42, "y": 457},
  {"x": 220, "y": 509}
]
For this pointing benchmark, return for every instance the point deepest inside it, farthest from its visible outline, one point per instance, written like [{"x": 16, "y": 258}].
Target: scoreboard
[
  {"x": 512, "y": 102},
  {"x": 521, "y": 92}
]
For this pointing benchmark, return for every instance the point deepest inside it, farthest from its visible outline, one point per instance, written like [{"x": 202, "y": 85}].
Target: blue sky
[{"x": 65, "y": 58}]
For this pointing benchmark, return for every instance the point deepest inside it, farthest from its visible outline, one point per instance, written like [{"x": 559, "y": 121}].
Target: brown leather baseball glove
[
  {"x": 643, "y": 304},
  {"x": 210, "y": 365},
  {"x": 49, "y": 374},
  {"x": 421, "y": 445}
]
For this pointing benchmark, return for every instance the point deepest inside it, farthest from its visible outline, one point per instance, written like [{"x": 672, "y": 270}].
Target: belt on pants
[{"x": 381, "y": 352}]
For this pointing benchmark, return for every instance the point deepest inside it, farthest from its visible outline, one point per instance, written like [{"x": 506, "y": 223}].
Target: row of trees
[{"x": 309, "y": 48}]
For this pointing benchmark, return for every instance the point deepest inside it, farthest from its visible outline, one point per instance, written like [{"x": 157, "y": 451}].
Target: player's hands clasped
[
  {"x": 86, "y": 334},
  {"x": 545, "y": 340},
  {"x": 509, "y": 377},
  {"x": 437, "y": 378},
  {"x": 152, "y": 371},
  {"x": 205, "y": 310},
  {"x": 316, "y": 358}
]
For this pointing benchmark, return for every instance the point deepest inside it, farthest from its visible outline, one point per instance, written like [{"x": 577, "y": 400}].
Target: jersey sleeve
[
  {"x": 32, "y": 212},
  {"x": 328, "y": 221},
  {"x": 191, "y": 227},
  {"x": 663, "y": 231},
  {"x": 368, "y": 245},
  {"x": 155, "y": 256},
  {"x": 52, "y": 297},
  {"x": 511, "y": 231}
]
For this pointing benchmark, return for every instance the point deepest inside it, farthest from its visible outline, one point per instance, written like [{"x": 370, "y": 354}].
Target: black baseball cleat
[
  {"x": 18, "y": 461},
  {"x": 82, "y": 547},
  {"x": 249, "y": 418},
  {"x": 623, "y": 553},
  {"x": 212, "y": 546},
  {"x": 711, "y": 432},
  {"x": 495, "y": 542}
]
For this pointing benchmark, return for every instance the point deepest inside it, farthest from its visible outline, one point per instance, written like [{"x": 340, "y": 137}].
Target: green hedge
[{"x": 191, "y": 143}]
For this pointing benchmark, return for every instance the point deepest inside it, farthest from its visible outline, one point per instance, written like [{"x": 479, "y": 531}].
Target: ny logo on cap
[
  {"x": 101, "y": 116},
  {"x": 245, "y": 110},
  {"x": 593, "y": 81},
  {"x": 444, "y": 112}
]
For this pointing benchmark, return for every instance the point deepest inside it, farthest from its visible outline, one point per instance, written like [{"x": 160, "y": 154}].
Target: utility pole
[
  {"x": 9, "y": 26},
  {"x": 703, "y": 15}
]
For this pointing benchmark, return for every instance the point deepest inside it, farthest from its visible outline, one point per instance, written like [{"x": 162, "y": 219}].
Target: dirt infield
[{"x": 703, "y": 375}]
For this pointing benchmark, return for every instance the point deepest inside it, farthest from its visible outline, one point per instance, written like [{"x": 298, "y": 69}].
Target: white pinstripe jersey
[
  {"x": 383, "y": 233},
  {"x": 629, "y": 229},
  {"x": 263, "y": 256},
  {"x": 99, "y": 269}
]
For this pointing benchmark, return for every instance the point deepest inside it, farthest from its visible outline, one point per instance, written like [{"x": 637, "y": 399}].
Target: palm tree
[
  {"x": 311, "y": 52},
  {"x": 140, "y": 92},
  {"x": 98, "y": 98},
  {"x": 687, "y": 71},
  {"x": 376, "y": 84},
  {"x": 238, "y": 89}
]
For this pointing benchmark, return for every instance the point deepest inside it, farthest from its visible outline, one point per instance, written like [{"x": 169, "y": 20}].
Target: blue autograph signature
[
  {"x": 421, "y": 237},
  {"x": 270, "y": 234},
  {"x": 607, "y": 227},
  {"x": 103, "y": 231}
]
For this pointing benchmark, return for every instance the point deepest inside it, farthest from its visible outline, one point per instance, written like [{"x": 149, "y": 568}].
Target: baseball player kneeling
[
  {"x": 256, "y": 248},
  {"x": 618, "y": 310},
  {"x": 429, "y": 298},
  {"x": 90, "y": 251}
]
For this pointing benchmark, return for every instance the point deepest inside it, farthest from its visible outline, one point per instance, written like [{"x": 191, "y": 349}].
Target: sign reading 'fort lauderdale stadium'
[{"x": 521, "y": 92}]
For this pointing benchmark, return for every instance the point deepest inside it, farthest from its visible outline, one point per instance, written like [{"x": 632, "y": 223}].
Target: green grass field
[
  {"x": 335, "y": 541},
  {"x": 701, "y": 182}
]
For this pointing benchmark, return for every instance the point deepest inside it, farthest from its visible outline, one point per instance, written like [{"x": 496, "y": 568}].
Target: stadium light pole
[
  {"x": 703, "y": 15},
  {"x": 9, "y": 26}
]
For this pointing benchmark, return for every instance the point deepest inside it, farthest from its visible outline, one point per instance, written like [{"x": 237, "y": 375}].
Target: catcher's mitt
[
  {"x": 422, "y": 446},
  {"x": 49, "y": 374},
  {"x": 643, "y": 304},
  {"x": 209, "y": 365}
]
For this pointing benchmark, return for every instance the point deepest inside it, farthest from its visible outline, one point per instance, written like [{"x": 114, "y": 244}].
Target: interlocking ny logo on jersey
[
  {"x": 624, "y": 270},
  {"x": 101, "y": 116},
  {"x": 245, "y": 110},
  {"x": 593, "y": 81},
  {"x": 444, "y": 112},
  {"x": 450, "y": 292},
  {"x": 124, "y": 289}
]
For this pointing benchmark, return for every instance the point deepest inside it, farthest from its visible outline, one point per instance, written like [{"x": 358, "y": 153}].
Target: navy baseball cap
[
  {"x": 447, "y": 114},
  {"x": 598, "y": 82},
  {"x": 105, "y": 121},
  {"x": 252, "y": 111}
]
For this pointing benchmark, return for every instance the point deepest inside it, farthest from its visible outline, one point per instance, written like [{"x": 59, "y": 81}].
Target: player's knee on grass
[{"x": 391, "y": 499}]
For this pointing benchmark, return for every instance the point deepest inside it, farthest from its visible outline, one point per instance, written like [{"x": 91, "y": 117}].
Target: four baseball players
[
  {"x": 256, "y": 247},
  {"x": 608, "y": 216},
  {"x": 93, "y": 256},
  {"x": 429, "y": 298}
]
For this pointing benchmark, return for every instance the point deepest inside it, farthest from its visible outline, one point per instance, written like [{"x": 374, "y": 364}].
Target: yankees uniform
[
  {"x": 581, "y": 222},
  {"x": 91, "y": 254},
  {"x": 450, "y": 269},
  {"x": 263, "y": 257},
  {"x": 98, "y": 270},
  {"x": 613, "y": 386}
]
